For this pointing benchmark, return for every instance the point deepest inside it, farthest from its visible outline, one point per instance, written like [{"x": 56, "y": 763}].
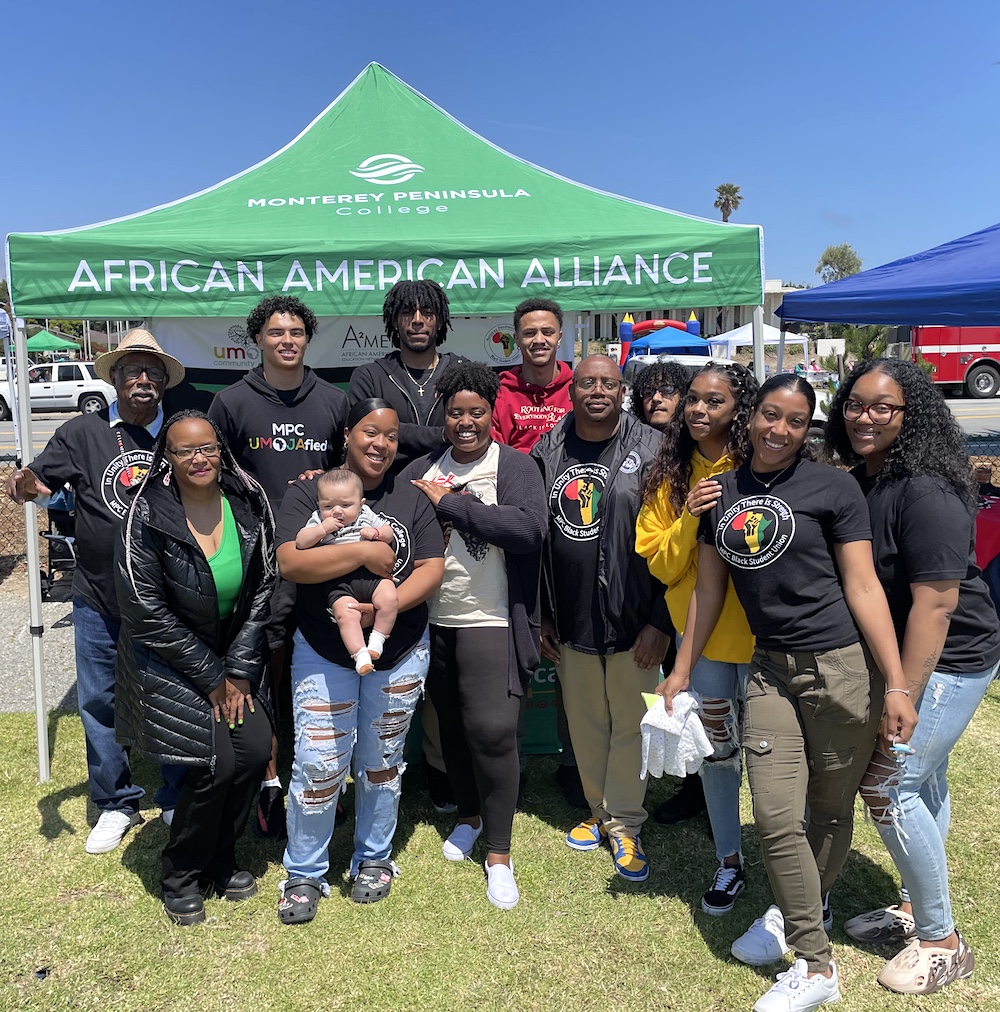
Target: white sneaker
[
  {"x": 795, "y": 991},
  {"x": 764, "y": 941},
  {"x": 167, "y": 816},
  {"x": 463, "y": 838},
  {"x": 501, "y": 889},
  {"x": 110, "y": 829}
]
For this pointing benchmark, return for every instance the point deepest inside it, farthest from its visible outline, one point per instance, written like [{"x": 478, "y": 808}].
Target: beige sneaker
[
  {"x": 887, "y": 924},
  {"x": 925, "y": 969}
]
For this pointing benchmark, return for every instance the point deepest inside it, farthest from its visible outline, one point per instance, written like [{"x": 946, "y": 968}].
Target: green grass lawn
[{"x": 85, "y": 932}]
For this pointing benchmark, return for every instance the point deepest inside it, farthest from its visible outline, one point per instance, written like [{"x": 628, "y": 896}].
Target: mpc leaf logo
[{"x": 384, "y": 170}]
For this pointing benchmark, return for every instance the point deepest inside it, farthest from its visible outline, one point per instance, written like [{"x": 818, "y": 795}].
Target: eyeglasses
[
  {"x": 154, "y": 373},
  {"x": 186, "y": 453},
  {"x": 879, "y": 413},
  {"x": 608, "y": 383},
  {"x": 667, "y": 390}
]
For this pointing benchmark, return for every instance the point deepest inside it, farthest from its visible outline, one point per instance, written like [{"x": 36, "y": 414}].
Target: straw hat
[{"x": 133, "y": 341}]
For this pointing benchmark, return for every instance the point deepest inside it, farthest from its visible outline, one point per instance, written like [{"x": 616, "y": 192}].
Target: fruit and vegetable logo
[
  {"x": 755, "y": 531},
  {"x": 500, "y": 346},
  {"x": 576, "y": 499}
]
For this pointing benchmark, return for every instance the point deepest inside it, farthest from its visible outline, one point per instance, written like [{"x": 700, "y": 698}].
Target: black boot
[
  {"x": 688, "y": 801},
  {"x": 184, "y": 910}
]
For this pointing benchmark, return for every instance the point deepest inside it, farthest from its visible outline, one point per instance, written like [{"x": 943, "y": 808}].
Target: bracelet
[{"x": 905, "y": 692}]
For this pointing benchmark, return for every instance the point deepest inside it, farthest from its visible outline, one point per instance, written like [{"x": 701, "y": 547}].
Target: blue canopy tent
[
  {"x": 669, "y": 339},
  {"x": 956, "y": 285}
]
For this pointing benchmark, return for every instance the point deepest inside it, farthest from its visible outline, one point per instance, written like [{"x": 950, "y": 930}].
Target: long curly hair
[
  {"x": 930, "y": 441},
  {"x": 672, "y": 463},
  {"x": 655, "y": 376}
]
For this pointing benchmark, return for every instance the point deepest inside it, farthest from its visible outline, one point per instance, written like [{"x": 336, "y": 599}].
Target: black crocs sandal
[
  {"x": 299, "y": 899},
  {"x": 373, "y": 882}
]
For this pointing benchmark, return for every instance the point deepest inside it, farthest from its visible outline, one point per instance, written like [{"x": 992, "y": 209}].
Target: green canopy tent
[
  {"x": 45, "y": 340},
  {"x": 382, "y": 185}
]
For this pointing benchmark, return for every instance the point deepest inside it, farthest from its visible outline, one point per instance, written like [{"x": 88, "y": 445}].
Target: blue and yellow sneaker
[
  {"x": 588, "y": 835},
  {"x": 630, "y": 859}
]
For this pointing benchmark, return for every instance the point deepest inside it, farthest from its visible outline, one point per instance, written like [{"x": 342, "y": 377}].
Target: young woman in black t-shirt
[
  {"x": 794, "y": 536},
  {"x": 922, "y": 496}
]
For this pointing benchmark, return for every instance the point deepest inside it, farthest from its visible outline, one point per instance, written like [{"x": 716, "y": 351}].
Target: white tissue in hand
[{"x": 675, "y": 744}]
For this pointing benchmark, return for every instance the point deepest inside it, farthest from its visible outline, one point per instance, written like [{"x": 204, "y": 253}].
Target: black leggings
[
  {"x": 212, "y": 810},
  {"x": 467, "y": 682}
]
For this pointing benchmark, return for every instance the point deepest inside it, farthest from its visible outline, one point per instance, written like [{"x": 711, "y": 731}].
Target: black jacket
[
  {"x": 174, "y": 649},
  {"x": 517, "y": 526},
  {"x": 629, "y": 596},
  {"x": 385, "y": 378}
]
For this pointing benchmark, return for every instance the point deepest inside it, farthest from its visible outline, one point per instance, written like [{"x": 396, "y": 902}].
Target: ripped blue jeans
[
  {"x": 909, "y": 802},
  {"x": 340, "y": 715}
]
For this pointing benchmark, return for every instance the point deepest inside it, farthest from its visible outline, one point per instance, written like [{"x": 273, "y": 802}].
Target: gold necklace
[{"x": 421, "y": 386}]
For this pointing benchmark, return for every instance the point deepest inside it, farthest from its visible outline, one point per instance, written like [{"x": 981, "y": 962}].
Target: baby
[{"x": 343, "y": 517}]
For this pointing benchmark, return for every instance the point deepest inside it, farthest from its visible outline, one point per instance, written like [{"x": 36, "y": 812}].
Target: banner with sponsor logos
[
  {"x": 384, "y": 185},
  {"x": 340, "y": 342}
]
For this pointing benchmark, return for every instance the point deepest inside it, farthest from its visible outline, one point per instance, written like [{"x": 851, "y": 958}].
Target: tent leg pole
[
  {"x": 758, "y": 343},
  {"x": 33, "y": 557}
]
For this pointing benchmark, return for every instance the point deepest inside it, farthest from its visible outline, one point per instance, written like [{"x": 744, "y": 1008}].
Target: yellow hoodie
[{"x": 669, "y": 544}]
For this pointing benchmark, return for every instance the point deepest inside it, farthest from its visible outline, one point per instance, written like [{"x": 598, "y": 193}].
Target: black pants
[
  {"x": 213, "y": 807},
  {"x": 467, "y": 682}
]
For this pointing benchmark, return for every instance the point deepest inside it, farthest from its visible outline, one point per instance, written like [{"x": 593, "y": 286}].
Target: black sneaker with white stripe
[{"x": 726, "y": 886}]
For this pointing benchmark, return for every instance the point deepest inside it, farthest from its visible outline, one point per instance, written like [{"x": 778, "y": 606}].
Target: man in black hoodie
[
  {"x": 417, "y": 319},
  {"x": 281, "y": 419}
]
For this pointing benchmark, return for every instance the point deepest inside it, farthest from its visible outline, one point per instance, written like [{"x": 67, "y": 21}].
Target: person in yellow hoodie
[{"x": 708, "y": 436}]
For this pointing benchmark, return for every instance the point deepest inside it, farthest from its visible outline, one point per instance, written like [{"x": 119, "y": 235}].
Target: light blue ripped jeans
[
  {"x": 338, "y": 715},
  {"x": 914, "y": 825},
  {"x": 722, "y": 688}
]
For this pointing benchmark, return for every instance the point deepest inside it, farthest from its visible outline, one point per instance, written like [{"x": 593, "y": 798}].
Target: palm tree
[{"x": 728, "y": 199}]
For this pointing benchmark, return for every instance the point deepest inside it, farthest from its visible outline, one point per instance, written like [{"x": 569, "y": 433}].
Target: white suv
[{"x": 62, "y": 386}]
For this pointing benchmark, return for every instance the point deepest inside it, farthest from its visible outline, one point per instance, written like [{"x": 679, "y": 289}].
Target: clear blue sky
[{"x": 860, "y": 122}]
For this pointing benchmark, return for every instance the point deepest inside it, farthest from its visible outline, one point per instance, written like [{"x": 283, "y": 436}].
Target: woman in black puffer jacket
[{"x": 194, "y": 574}]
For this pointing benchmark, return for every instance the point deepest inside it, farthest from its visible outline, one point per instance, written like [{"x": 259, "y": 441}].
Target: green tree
[
  {"x": 727, "y": 199},
  {"x": 838, "y": 262}
]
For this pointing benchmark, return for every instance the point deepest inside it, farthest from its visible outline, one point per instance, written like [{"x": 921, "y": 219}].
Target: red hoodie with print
[{"x": 524, "y": 412}]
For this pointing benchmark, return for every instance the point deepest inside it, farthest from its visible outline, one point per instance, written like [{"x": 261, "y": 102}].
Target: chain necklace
[
  {"x": 421, "y": 386},
  {"x": 767, "y": 484}
]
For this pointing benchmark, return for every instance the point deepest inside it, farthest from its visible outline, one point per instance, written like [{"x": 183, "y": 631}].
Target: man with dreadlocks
[{"x": 417, "y": 319}]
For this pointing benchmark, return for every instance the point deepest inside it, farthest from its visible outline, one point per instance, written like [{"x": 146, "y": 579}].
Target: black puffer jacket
[{"x": 174, "y": 648}]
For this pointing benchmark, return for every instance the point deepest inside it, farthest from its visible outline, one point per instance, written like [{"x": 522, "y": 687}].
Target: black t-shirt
[
  {"x": 86, "y": 452},
  {"x": 923, "y": 532},
  {"x": 575, "y": 511},
  {"x": 778, "y": 544},
  {"x": 418, "y": 536}
]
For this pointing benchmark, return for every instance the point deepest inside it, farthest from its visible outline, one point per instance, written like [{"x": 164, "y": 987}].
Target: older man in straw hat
[{"x": 101, "y": 456}]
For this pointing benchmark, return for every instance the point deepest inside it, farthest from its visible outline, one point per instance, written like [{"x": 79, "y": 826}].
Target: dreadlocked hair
[
  {"x": 655, "y": 376},
  {"x": 672, "y": 463},
  {"x": 930, "y": 441},
  {"x": 280, "y": 304},
  {"x": 406, "y": 296},
  {"x": 472, "y": 376},
  {"x": 159, "y": 470}
]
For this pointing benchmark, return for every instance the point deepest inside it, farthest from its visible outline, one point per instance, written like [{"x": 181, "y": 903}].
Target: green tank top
[{"x": 227, "y": 563}]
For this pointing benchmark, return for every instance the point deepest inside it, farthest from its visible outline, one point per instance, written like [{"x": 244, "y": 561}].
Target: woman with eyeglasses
[
  {"x": 193, "y": 574},
  {"x": 890, "y": 420},
  {"x": 708, "y": 437},
  {"x": 657, "y": 392},
  {"x": 793, "y": 535}
]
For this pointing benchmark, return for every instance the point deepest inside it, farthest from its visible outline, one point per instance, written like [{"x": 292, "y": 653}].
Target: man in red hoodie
[
  {"x": 534, "y": 396},
  {"x": 533, "y": 399}
]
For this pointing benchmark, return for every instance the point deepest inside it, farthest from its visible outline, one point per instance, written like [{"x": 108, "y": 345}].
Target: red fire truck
[{"x": 962, "y": 356}]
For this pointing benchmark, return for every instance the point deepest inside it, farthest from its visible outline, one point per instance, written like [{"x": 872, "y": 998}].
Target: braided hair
[
  {"x": 406, "y": 296},
  {"x": 159, "y": 469},
  {"x": 672, "y": 463}
]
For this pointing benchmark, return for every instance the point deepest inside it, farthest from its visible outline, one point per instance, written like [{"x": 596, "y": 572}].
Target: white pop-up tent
[{"x": 726, "y": 345}]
